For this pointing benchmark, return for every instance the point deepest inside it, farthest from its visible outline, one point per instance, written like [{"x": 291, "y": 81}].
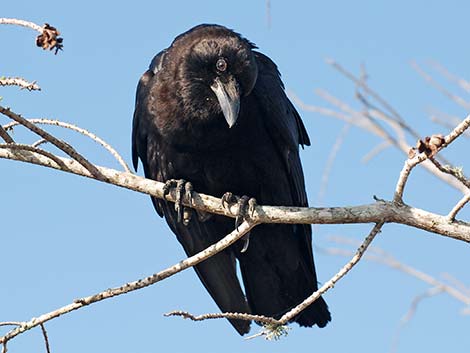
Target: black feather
[{"x": 180, "y": 132}]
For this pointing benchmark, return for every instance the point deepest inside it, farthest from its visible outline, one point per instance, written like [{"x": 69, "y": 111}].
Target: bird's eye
[{"x": 221, "y": 65}]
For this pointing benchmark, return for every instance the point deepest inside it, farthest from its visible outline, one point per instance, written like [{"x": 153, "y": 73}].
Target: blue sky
[{"x": 64, "y": 237}]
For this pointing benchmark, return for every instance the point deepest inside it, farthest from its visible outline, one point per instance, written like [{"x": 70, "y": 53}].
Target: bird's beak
[{"x": 228, "y": 95}]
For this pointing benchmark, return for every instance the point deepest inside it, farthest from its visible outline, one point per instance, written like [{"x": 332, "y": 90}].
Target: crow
[{"x": 211, "y": 114}]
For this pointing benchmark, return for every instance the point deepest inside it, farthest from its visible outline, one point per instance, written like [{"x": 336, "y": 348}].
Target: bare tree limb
[{"x": 372, "y": 213}]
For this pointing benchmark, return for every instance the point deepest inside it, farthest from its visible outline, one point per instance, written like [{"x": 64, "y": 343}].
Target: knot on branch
[
  {"x": 430, "y": 146},
  {"x": 49, "y": 39}
]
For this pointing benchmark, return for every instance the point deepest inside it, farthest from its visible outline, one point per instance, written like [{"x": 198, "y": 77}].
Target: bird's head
[{"x": 216, "y": 69}]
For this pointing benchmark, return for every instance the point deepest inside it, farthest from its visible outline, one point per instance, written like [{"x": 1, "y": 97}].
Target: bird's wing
[
  {"x": 287, "y": 249},
  {"x": 283, "y": 123},
  {"x": 141, "y": 124},
  {"x": 218, "y": 273}
]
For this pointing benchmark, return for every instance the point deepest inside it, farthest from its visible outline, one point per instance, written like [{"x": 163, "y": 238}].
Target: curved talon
[
  {"x": 227, "y": 199},
  {"x": 188, "y": 192},
  {"x": 187, "y": 214},
  {"x": 179, "y": 199},
  {"x": 246, "y": 242},
  {"x": 169, "y": 184},
  {"x": 246, "y": 207},
  {"x": 252, "y": 206},
  {"x": 241, "y": 214}
]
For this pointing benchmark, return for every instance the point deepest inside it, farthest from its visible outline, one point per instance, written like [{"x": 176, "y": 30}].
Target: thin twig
[
  {"x": 240, "y": 316},
  {"x": 455, "y": 172},
  {"x": 330, "y": 284},
  {"x": 375, "y": 151},
  {"x": 11, "y": 323},
  {"x": 366, "y": 88},
  {"x": 462, "y": 83},
  {"x": 357, "y": 119},
  {"x": 23, "y": 23},
  {"x": 46, "y": 339},
  {"x": 6, "y": 136},
  {"x": 457, "y": 99},
  {"x": 228, "y": 240},
  {"x": 380, "y": 256},
  {"x": 65, "y": 147},
  {"x": 20, "y": 82},
  {"x": 330, "y": 161},
  {"x": 39, "y": 143},
  {"x": 443, "y": 120},
  {"x": 412, "y": 162},
  {"x": 80, "y": 130},
  {"x": 299, "y": 308},
  {"x": 410, "y": 313},
  {"x": 30, "y": 148},
  {"x": 463, "y": 201}
]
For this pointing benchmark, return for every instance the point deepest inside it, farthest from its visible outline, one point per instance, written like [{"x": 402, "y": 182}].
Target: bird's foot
[
  {"x": 182, "y": 188},
  {"x": 245, "y": 207}
]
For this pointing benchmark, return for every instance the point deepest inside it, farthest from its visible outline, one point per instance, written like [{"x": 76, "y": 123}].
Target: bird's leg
[
  {"x": 245, "y": 206},
  {"x": 182, "y": 188}
]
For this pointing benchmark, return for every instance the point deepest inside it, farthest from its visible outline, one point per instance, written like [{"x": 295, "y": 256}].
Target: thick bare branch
[{"x": 373, "y": 213}]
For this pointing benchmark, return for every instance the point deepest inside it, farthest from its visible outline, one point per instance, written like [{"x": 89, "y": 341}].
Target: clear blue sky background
[{"x": 63, "y": 237}]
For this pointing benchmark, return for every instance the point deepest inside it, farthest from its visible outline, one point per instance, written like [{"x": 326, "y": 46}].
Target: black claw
[
  {"x": 246, "y": 242},
  {"x": 187, "y": 214},
  {"x": 227, "y": 199},
  {"x": 252, "y": 206},
  {"x": 179, "y": 199},
  {"x": 169, "y": 184},
  {"x": 245, "y": 207},
  {"x": 241, "y": 214},
  {"x": 188, "y": 192}
]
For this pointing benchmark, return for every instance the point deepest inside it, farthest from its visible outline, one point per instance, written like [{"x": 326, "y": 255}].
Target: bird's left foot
[
  {"x": 182, "y": 188},
  {"x": 245, "y": 207}
]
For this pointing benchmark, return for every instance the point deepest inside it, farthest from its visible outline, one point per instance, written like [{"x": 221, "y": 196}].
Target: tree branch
[{"x": 228, "y": 240}]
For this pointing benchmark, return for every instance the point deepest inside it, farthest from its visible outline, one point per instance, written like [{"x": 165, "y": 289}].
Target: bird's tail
[{"x": 315, "y": 314}]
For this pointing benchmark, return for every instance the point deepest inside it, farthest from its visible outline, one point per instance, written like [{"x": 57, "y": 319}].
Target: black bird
[{"x": 212, "y": 110}]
